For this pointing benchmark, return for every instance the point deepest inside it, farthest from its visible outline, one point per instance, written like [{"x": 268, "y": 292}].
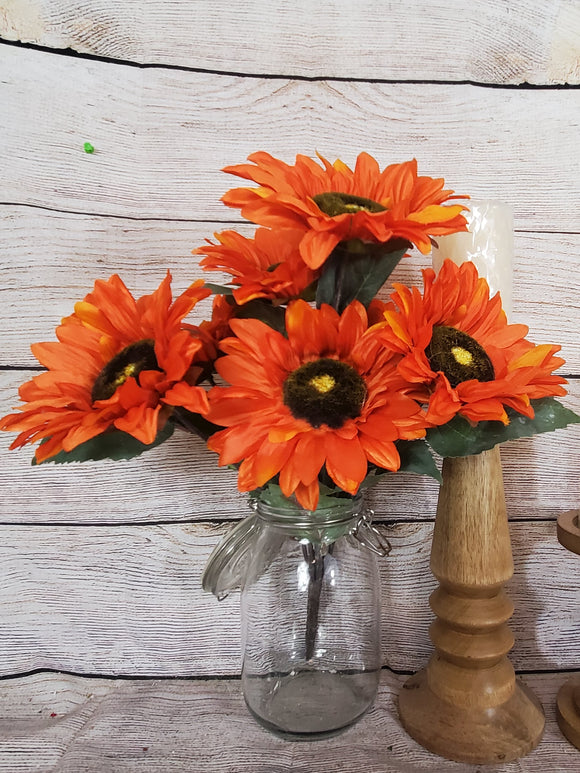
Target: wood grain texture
[
  {"x": 128, "y": 600},
  {"x": 180, "y": 480},
  {"x": 161, "y": 136},
  {"x": 57, "y": 256},
  {"x": 490, "y": 42},
  {"x": 55, "y": 723}
]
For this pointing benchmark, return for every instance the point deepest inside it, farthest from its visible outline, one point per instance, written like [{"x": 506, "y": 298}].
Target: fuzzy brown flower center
[
  {"x": 130, "y": 361},
  {"x": 325, "y": 391},
  {"x": 459, "y": 356},
  {"x": 334, "y": 204}
]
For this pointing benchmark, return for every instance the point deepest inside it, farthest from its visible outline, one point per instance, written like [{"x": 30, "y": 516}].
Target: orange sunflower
[
  {"x": 118, "y": 362},
  {"x": 332, "y": 203},
  {"x": 456, "y": 341},
  {"x": 211, "y": 331},
  {"x": 267, "y": 266},
  {"x": 327, "y": 396}
]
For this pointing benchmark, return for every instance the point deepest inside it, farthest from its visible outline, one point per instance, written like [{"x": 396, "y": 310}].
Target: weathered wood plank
[
  {"x": 492, "y": 42},
  {"x": 56, "y": 256},
  {"x": 180, "y": 480},
  {"x": 127, "y": 600},
  {"x": 161, "y": 136},
  {"x": 70, "y": 724}
]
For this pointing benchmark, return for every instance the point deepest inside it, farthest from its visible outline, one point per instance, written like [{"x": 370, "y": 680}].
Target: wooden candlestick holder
[
  {"x": 568, "y": 700},
  {"x": 467, "y": 704}
]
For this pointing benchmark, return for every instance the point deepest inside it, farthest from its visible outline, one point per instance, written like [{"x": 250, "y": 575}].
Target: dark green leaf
[
  {"x": 219, "y": 289},
  {"x": 272, "y": 495},
  {"x": 309, "y": 293},
  {"x": 459, "y": 438},
  {"x": 357, "y": 271},
  {"x": 194, "y": 423},
  {"x": 273, "y": 316},
  {"x": 417, "y": 457},
  {"x": 327, "y": 282},
  {"x": 112, "y": 444}
]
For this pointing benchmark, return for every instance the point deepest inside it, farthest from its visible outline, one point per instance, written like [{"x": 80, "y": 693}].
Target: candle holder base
[
  {"x": 568, "y": 711},
  {"x": 475, "y": 735}
]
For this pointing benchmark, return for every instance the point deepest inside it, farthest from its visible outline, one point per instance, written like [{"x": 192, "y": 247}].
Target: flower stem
[
  {"x": 315, "y": 560},
  {"x": 193, "y": 423}
]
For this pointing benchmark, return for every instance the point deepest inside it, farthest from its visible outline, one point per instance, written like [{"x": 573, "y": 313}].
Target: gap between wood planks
[
  {"x": 237, "y": 222},
  {"x": 220, "y": 522},
  {"x": 215, "y": 677},
  {"x": 70, "y": 52},
  {"x": 162, "y": 219}
]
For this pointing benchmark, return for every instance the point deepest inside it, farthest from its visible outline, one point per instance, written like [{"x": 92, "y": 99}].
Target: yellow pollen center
[
  {"x": 128, "y": 370},
  {"x": 462, "y": 356},
  {"x": 323, "y": 383}
]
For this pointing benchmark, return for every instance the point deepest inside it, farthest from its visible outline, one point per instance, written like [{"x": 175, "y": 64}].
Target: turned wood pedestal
[
  {"x": 467, "y": 704},
  {"x": 568, "y": 701}
]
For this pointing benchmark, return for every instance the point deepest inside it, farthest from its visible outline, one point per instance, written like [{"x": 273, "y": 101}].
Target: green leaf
[
  {"x": 219, "y": 289},
  {"x": 272, "y": 495},
  {"x": 112, "y": 444},
  {"x": 273, "y": 316},
  {"x": 460, "y": 438},
  {"x": 193, "y": 423},
  {"x": 357, "y": 271},
  {"x": 326, "y": 289},
  {"x": 309, "y": 293},
  {"x": 416, "y": 457}
]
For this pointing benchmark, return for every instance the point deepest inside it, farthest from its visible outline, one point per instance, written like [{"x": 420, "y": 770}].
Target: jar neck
[{"x": 339, "y": 518}]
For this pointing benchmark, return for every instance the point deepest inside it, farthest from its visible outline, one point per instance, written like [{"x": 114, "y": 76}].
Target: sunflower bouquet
[{"x": 302, "y": 379}]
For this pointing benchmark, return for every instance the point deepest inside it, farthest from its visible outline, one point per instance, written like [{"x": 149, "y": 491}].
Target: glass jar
[{"x": 310, "y": 613}]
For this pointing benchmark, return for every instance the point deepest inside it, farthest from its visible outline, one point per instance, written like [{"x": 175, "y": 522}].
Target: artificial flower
[
  {"x": 211, "y": 331},
  {"x": 118, "y": 363},
  {"x": 456, "y": 341},
  {"x": 332, "y": 203},
  {"x": 268, "y": 265},
  {"x": 326, "y": 397}
]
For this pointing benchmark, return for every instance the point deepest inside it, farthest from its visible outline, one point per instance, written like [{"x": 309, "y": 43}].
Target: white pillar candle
[{"x": 489, "y": 243}]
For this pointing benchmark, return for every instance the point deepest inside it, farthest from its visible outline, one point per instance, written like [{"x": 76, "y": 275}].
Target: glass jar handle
[{"x": 369, "y": 536}]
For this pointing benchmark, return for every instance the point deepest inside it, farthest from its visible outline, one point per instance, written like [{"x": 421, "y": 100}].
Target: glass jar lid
[{"x": 228, "y": 565}]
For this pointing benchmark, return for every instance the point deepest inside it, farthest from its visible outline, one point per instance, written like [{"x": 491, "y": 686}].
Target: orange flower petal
[
  {"x": 192, "y": 398},
  {"x": 308, "y": 495},
  {"x": 346, "y": 462}
]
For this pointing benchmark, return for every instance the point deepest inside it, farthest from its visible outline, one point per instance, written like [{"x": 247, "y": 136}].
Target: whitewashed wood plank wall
[{"x": 101, "y": 563}]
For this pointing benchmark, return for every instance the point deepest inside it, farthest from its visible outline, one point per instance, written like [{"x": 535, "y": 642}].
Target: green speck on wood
[{"x": 88, "y": 147}]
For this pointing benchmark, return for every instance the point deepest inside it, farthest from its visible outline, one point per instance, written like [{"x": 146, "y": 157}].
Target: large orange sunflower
[
  {"x": 456, "y": 341},
  {"x": 267, "y": 266},
  {"x": 332, "y": 203},
  {"x": 118, "y": 362},
  {"x": 327, "y": 396}
]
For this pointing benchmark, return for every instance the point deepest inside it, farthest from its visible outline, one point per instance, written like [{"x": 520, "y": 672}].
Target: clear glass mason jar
[{"x": 310, "y": 613}]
